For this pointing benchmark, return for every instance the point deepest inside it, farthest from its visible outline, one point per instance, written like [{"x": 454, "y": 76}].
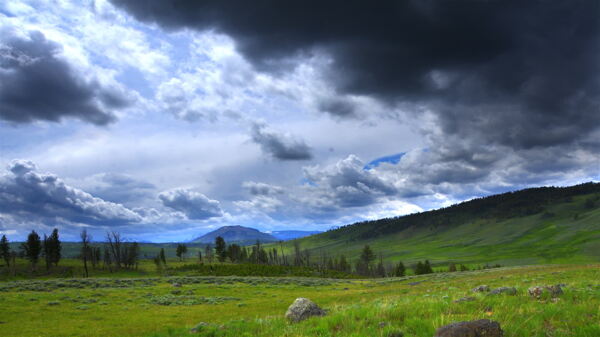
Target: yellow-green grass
[{"x": 256, "y": 305}]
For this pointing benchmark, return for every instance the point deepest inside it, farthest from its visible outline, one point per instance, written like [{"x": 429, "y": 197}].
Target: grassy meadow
[{"x": 254, "y": 306}]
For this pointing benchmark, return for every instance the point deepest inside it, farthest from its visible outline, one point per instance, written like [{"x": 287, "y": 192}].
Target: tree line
[
  {"x": 113, "y": 254},
  {"x": 368, "y": 264}
]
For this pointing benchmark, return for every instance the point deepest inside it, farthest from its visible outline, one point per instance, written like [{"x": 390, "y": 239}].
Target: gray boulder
[
  {"x": 303, "y": 308},
  {"x": 504, "y": 290},
  {"x": 480, "y": 328},
  {"x": 539, "y": 291},
  {"x": 481, "y": 289}
]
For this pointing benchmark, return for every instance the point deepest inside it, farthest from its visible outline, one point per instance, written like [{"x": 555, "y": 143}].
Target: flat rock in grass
[
  {"x": 539, "y": 291},
  {"x": 303, "y": 308},
  {"x": 480, "y": 328},
  {"x": 504, "y": 290},
  {"x": 481, "y": 289},
  {"x": 199, "y": 327},
  {"x": 465, "y": 299}
]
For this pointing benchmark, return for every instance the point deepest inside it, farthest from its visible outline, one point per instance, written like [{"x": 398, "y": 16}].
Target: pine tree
[
  {"x": 220, "y": 249},
  {"x": 46, "y": 251},
  {"x": 5, "y": 250},
  {"x": 85, "y": 250},
  {"x": 366, "y": 258},
  {"x": 400, "y": 270},
  {"x": 162, "y": 256},
  {"x": 181, "y": 250},
  {"x": 32, "y": 248},
  {"x": 344, "y": 265},
  {"x": 55, "y": 247},
  {"x": 427, "y": 267}
]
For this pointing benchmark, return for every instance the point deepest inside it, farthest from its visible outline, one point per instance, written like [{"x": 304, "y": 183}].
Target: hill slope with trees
[{"x": 536, "y": 225}]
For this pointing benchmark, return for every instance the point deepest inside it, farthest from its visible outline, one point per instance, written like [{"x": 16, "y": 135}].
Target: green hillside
[{"x": 538, "y": 225}]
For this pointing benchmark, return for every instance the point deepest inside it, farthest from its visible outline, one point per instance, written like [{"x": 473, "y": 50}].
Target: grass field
[{"x": 254, "y": 306}]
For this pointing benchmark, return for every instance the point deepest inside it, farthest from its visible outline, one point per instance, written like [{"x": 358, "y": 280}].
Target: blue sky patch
[{"x": 392, "y": 159}]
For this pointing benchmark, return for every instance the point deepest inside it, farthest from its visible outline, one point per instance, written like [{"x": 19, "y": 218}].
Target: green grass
[
  {"x": 564, "y": 232},
  {"x": 254, "y": 306}
]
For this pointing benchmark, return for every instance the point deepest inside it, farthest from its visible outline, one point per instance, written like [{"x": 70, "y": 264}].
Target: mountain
[
  {"x": 290, "y": 235},
  {"x": 535, "y": 225},
  {"x": 236, "y": 234}
]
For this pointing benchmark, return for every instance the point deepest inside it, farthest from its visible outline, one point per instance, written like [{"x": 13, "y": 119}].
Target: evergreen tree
[
  {"x": 181, "y": 250},
  {"x": 200, "y": 256},
  {"x": 220, "y": 249},
  {"x": 418, "y": 269},
  {"x": 55, "y": 247},
  {"x": 162, "y": 256},
  {"x": 400, "y": 270},
  {"x": 32, "y": 248},
  {"x": 423, "y": 268},
  {"x": 366, "y": 258},
  {"x": 5, "y": 250},
  {"x": 427, "y": 267},
  {"x": 344, "y": 265},
  {"x": 85, "y": 250},
  {"x": 451, "y": 267},
  {"x": 234, "y": 252},
  {"x": 46, "y": 251}
]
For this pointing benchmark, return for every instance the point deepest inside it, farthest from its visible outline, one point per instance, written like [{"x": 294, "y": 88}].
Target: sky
[{"x": 163, "y": 120}]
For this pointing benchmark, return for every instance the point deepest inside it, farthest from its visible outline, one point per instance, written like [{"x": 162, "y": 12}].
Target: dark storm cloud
[
  {"x": 516, "y": 73},
  {"x": 193, "y": 204},
  {"x": 37, "y": 84},
  {"x": 121, "y": 188},
  {"x": 279, "y": 145},
  {"x": 34, "y": 197},
  {"x": 257, "y": 188}
]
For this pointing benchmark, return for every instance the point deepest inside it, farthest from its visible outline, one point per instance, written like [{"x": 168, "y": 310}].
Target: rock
[
  {"x": 382, "y": 324},
  {"x": 480, "y": 328},
  {"x": 415, "y": 283},
  {"x": 504, "y": 290},
  {"x": 303, "y": 308},
  {"x": 539, "y": 291},
  {"x": 465, "y": 299},
  {"x": 481, "y": 289},
  {"x": 176, "y": 285},
  {"x": 199, "y": 327}
]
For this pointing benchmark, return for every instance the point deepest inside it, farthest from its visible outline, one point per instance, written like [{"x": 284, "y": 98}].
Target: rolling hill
[
  {"x": 292, "y": 234},
  {"x": 236, "y": 234},
  {"x": 531, "y": 226}
]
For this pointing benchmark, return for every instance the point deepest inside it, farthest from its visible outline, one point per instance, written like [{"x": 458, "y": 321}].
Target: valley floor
[{"x": 252, "y": 306}]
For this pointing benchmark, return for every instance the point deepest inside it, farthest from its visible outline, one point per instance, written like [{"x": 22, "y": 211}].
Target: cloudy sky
[{"x": 166, "y": 119}]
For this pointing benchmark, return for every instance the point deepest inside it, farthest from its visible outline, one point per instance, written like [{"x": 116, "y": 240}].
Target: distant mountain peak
[{"x": 236, "y": 234}]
